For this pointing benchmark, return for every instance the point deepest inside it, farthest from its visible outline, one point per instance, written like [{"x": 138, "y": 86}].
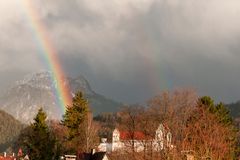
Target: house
[
  {"x": 12, "y": 157},
  {"x": 122, "y": 140},
  {"x": 7, "y": 157},
  {"x": 26, "y": 157}
]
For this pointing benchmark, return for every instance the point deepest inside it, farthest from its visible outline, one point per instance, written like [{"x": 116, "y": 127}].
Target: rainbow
[
  {"x": 158, "y": 78},
  {"x": 61, "y": 90}
]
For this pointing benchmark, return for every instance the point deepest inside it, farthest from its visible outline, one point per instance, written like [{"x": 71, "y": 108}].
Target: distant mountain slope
[
  {"x": 9, "y": 130},
  {"x": 25, "y": 97},
  {"x": 234, "y": 109}
]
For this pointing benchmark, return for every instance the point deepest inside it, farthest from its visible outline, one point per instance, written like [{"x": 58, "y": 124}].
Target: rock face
[{"x": 25, "y": 97}]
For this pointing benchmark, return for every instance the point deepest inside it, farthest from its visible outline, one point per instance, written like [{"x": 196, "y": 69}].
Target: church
[{"x": 122, "y": 140}]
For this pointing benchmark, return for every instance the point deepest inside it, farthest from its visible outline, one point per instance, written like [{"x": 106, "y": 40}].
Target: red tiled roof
[{"x": 128, "y": 136}]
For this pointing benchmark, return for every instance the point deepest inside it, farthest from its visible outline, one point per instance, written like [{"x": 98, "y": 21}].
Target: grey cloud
[{"x": 131, "y": 49}]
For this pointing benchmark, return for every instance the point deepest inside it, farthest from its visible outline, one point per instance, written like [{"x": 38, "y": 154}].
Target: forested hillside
[
  {"x": 9, "y": 130},
  {"x": 234, "y": 109}
]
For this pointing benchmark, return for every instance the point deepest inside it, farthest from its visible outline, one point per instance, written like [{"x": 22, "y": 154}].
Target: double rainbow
[{"x": 61, "y": 88}]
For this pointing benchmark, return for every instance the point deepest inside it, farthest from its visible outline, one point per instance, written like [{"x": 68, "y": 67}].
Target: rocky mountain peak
[{"x": 35, "y": 90}]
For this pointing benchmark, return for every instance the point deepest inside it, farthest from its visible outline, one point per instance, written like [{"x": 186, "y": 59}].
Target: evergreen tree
[
  {"x": 208, "y": 103},
  {"x": 224, "y": 118},
  {"x": 223, "y": 114},
  {"x": 219, "y": 110},
  {"x": 74, "y": 119},
  {"x": 37, "y": 140}
]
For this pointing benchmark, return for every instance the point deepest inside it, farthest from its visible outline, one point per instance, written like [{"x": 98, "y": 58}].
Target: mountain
[
  {"x": 24, "y": 98},
  {"x": 234, "y": 109},
  {"x": 10, "y": 128}
]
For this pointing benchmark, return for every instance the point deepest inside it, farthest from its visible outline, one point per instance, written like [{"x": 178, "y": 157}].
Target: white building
[{"x": 121, "y": 140}]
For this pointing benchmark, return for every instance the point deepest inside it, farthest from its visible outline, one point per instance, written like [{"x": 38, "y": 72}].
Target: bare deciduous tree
[
  {"x": 194, "y": 129},
  {"x": 129, "y": 118},
  {"x": 91, "y": 133}
]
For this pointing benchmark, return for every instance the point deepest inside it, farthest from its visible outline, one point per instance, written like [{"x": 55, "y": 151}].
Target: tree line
[{"x": 198, "y": 126}]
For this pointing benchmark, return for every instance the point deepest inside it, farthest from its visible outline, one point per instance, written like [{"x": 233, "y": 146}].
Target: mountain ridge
[{"x": 23, "y": 99}]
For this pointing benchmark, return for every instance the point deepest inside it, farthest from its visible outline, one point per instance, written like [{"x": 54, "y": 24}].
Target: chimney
[{"x": 93, "y": 151}]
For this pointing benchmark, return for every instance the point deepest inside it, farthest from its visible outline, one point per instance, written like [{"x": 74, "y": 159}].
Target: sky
[{"x": 129, "y": 50}]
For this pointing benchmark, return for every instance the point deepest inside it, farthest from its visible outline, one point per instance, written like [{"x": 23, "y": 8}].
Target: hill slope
[
  {"x": 234, "y": 109},
  {"x": 9, "y": 130}
]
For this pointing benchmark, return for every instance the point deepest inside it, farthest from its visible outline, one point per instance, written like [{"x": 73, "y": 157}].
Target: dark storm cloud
[{"x": 127, "y": 47}]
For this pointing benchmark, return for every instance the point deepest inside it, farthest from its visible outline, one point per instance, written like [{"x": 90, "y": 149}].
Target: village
[
  {"x": 134, "y": 133},
  {"x": 121, "y": 141}
]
